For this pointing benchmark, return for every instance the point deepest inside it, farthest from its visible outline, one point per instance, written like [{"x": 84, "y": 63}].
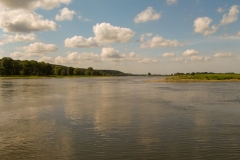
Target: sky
[{"x": 133, "y": 36}]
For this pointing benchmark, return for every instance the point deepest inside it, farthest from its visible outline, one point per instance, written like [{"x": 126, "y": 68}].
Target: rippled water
[{"x": 118, "y": 118}]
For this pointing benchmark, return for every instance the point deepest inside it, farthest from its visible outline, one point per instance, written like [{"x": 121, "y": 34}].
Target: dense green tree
[
  {"x": 7, "y": 65},
  {"x": 2, "y": 71},
  {"x": 76, "y": 71},
  {"x": 90, "y": 69},
  {"x": 70, "y": 71},
  {"x": 88, "y": 73},
  {"x": 63, "y": 72},
  {"x": 16, "y": 67},
  {"x": 57, "y": 70}
]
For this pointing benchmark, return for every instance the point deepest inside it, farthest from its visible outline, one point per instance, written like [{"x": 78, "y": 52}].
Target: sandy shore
[{"x": 190, "y": 80}]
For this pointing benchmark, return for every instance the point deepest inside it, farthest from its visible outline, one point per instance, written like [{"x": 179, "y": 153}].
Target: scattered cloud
[
  {"x": 231, "y": 17},
  {"x": 39, "y": 49},
  {"x": 61, "y": 60},
  {"x": 190, "y": 52},
  {"x": 17, "y": 38},
  {"x": 24, "y": 21},
  {"x": 224, "y": 55},
  {"x": 106, "y": 33},
  {"x": 65, "y": 14},
  {"x": 200, "y": 58},
  {"x": 85, "y": 56},
  {"x": 148, "y": 61},
  {"x": 142, "y": 37},
  {"x": 84, "y": 19},
  {"x": 201, "y": 25},
  {"x": 147, "y": 15},
  {"x": 17, "y": 55},
  {"x": 169, "y": 55},
  {"x": 80, "y": 42},
  {"x": 158, "y": 41},
  {"x": 170, "y": 2},
  {"x": 114, "y": 55},
  {"x": 180, "y": 59},
  {"x": 111, "y": 53},
  {"x": 33, "y": 4},
  {"x": 220, "y": 10},
  {"x": 107, "y": 55},
  {"x": 46, "y": 59},
  {"x": 233, "y": 37}
]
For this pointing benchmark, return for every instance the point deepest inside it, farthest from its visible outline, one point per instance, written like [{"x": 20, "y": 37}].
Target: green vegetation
[
  {"x": 34, "y": 69},
  {"x": 205, "y": 77},
  {"x": 200, "y": 77}
]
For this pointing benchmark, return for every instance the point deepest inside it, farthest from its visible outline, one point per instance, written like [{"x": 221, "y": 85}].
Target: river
[{"x": 118, "y": 118}]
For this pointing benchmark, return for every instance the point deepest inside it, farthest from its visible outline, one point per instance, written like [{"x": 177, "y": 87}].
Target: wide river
[{"x": 118, "y": 118}]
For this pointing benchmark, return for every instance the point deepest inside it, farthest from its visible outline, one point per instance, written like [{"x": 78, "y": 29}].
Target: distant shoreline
[
  {"x": 200, "y": 78},
  {"x": 190, "y": 80}
]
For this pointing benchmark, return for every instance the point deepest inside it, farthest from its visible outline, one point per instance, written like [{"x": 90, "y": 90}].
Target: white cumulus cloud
[
  {"x": 33, "y": 4},
  {"x": 107, "y": 55},
  {"x": 80, "y": 42},
  {"x": 39, "y": 49},
  {"x": 170, "y": 2},
  {"x": 85, "y": 56},
  {"x": 106, "y": 33},
  {"x": 231, "y": 17},
  {"x": 46, "y": 59},
  {"x": 17, "y": 55},
  {"x": 61, "y": 60},
  {"x": 65, "y": 14},
  {"x": 190, "y": 52},
  {"x": 169, "y": 55},
  {"x": 158, "y": 41},
  {"x": 224, "y": 55},
  {"x": 147, "y": 15},
  {"x": 110, "y": 53},
  {"x": 24, "y": 21},
  {"x": 201, "y": 25},
  {"x": 17, "y": 38}
]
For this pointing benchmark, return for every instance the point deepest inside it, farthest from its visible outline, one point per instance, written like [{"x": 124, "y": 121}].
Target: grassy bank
[{"x": 201, "y": 78}]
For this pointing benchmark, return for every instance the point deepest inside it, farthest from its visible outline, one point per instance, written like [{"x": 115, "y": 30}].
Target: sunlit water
[{"x": 118, "y": 118}]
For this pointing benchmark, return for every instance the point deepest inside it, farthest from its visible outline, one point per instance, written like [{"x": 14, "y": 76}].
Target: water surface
[{"x": 118, "y": 118}]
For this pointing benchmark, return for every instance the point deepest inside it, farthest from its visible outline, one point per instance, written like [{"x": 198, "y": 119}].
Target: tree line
[{"x": 10, "y": 67}]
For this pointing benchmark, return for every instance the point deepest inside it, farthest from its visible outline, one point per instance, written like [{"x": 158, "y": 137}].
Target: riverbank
[
  {"x": 38, "y": 77},
  {"x": 200, "y": 78}
]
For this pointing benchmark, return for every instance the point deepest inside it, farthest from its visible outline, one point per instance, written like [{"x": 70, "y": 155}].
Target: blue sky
[{"x": 137, "y": 36}]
